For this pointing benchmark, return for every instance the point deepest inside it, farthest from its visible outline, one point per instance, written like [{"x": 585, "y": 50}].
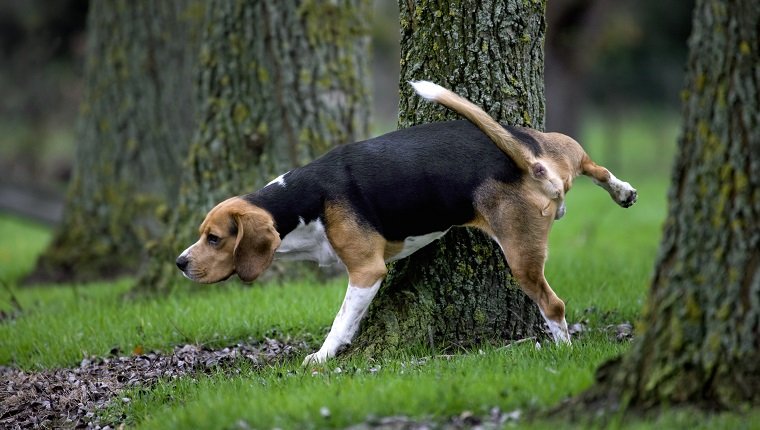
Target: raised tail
[{"x": 503, "y": 139}]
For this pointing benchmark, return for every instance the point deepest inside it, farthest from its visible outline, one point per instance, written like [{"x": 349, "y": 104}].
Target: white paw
[
  {"x": 317, "y": 358},
  {"x": 559, "y": 331},
  {"x": 622, "y": 192},
  {"x": 625, "y": 194}
]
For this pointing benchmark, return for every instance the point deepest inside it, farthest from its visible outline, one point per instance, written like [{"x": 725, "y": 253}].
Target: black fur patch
[
  {"x": 405, "y": 183},
  {"x": 526, "y": 138}
]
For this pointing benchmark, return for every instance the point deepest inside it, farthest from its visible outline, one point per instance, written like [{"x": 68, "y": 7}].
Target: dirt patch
[{"x": 71, "y": 398}]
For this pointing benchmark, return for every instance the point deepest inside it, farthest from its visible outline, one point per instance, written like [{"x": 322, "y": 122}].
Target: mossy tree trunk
[
  {"x": 135, "y": 125},
  {"x": 281, "y": 82},
  {"x": 700, "y": 340},
  {"x": 458, "y": 291}
]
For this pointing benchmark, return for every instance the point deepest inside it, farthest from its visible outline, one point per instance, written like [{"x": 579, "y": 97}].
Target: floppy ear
[{"x": 255, "y": 244}]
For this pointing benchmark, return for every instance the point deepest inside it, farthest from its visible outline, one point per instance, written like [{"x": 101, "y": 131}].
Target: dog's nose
[{"x": 182, "y": 262}]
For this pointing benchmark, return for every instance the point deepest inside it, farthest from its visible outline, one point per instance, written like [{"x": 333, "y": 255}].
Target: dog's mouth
[{"x": 199, "y": 276}]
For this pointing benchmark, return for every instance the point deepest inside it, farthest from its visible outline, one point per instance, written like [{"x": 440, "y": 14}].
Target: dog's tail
[{"x": 524, "y": 159}]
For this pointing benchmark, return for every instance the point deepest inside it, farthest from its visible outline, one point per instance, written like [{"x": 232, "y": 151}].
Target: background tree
[
  {"x": 700, "y": 340},
  {"x": 281, "y": 82},
  {"x": 458, "y": 291},
  {"x": 134, "y": 125}
]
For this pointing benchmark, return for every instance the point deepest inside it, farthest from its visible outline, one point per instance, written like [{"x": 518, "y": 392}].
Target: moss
[
  {"x": 240, "y": 113},
  {"x": 699, "y": 82},
  {"x": 693, "y": 310},
  {"x": 741, "y": 181},
  {"x": 675, "y": 331},
  {"x": 744, "y": 48},
  {"x": 263, "y": 75},
  {"x": 528, "y": 121},
  {"x": 345, "y": 22}
]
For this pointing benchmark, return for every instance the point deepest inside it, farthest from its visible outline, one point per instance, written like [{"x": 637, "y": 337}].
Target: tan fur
[
  {"x": 361, "y": 249},
  {"x": 392, "y": 249},
  {"x": 247, "y": 253},
  {"x": 513, "y": 214}
]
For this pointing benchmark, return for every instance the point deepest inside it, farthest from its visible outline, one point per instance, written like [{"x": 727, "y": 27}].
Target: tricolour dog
[{"x": 371, "y": 202}]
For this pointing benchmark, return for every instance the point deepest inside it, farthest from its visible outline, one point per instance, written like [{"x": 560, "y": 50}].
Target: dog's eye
[{"x": 212, "y": 239}]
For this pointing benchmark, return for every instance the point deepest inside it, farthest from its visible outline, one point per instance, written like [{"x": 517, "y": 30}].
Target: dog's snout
[{"x": 182, "y": 262}]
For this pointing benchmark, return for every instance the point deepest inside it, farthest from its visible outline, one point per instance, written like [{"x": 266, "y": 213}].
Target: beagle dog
[{"x": 372, "y": 202}]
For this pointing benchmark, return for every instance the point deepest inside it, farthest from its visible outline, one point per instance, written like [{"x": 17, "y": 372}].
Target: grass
[
  {"x": 21, "y": 242},
  {"x": 409, "y": 386}
]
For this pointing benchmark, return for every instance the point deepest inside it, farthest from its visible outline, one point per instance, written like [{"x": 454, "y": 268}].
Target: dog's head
[{"x": 236, "y": 237}]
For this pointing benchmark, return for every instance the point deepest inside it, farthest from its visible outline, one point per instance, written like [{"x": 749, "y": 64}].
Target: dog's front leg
[{"x": 346, "y": 323}]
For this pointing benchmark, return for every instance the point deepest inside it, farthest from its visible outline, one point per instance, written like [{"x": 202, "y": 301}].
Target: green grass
[
  {"x": 21, "y": 242},
  {"x": 287, "y": 396},
  {"x": 60, "y": 326}
]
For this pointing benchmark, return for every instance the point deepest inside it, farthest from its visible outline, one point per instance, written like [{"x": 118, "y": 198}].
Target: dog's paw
[
  {"x": 559, "y": 331},
  {"x": 318, "y": 357},
  {"x": 624, "y": 194},
  {"x": 629, "y": 198}
]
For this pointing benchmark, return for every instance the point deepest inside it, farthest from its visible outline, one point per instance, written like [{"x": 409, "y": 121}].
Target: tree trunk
[
  {"x": 458, "y": 291},
  {"x": 135, "y": 123},
  {"x": 701, "y": 328},
  {"x": 281, "y": 82}
]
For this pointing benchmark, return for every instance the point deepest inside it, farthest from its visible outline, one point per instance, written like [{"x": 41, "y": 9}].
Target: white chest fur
[{"x": 307, "y": 242}]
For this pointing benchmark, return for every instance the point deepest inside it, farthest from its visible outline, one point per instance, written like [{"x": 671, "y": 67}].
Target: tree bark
[
  {"x": 135, "y": 124},
  {"x": 458, "y": 291},
  {"x": 700, "y": 341},
  {"x": 281, "y": 82}
]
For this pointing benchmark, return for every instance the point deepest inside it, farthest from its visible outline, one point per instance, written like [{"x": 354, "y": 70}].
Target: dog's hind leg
[
  {"x": 522, "y": 232},
  {"x": 526, "y": 260},
  {"x": 621, "y": 192}
]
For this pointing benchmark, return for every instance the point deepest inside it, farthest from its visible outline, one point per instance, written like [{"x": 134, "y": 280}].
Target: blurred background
[{"x": 614, "y": 70}]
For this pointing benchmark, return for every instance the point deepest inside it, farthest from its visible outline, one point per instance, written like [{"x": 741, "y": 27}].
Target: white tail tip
[{"x": 428, "y": 90}]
